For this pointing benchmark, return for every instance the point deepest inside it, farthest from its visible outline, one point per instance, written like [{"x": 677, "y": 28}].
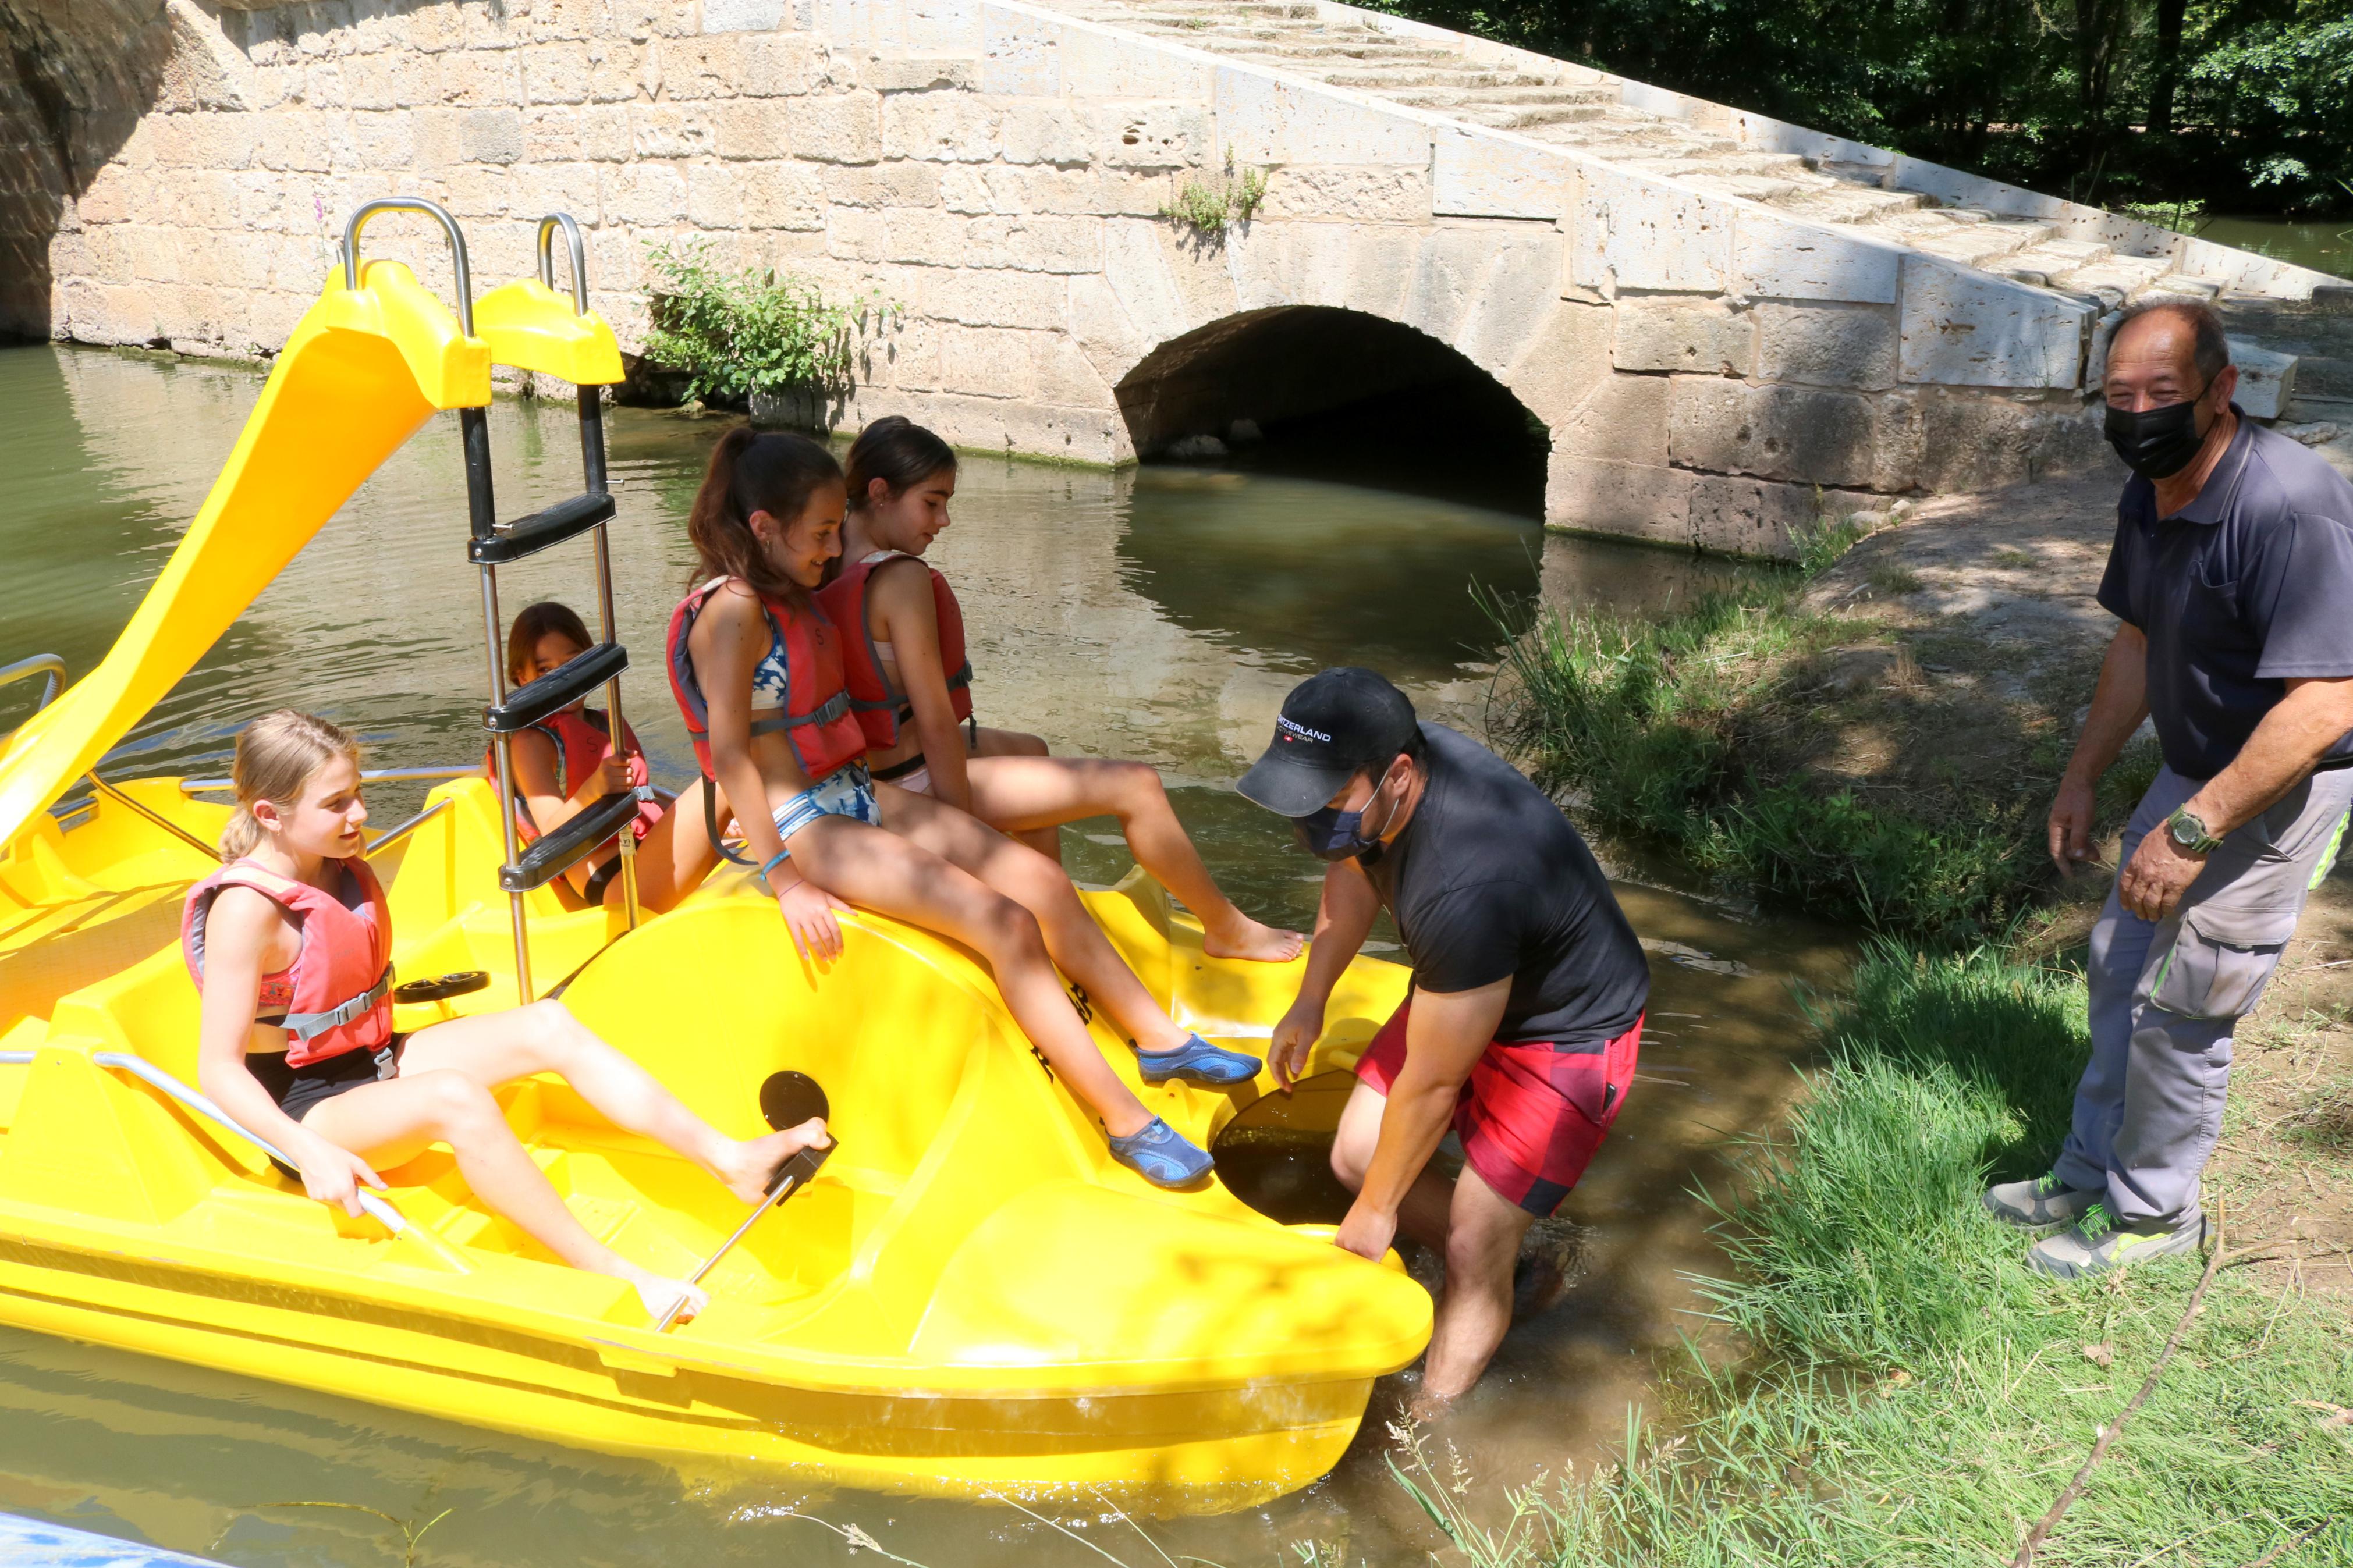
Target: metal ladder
[{"x": 489, "y": 545}]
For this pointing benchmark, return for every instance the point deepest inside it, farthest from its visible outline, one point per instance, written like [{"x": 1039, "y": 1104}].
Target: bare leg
[
  {"x": 1047, "y": 841},
  {"x": 1426, "y": 1213},
  {"x": 881, "y": 870},
  {"x": 674, "y": 858},
  {"x": 1022, "y": 794},
  {"x": 1476, "y": 1230},
  {"x": 391, "y": 1123},
  {"x": 1077, "y": 945},
  {"x": 1475, "y": 1307},
  {"x": 498, "y": 1047}
]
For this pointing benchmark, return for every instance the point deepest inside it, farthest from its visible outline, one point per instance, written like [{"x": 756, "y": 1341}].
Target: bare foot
[
  {"x": 1247, "y": 939},
  {"x": 751, "y": 1165},
  {"x": 656, "y": 1293}
]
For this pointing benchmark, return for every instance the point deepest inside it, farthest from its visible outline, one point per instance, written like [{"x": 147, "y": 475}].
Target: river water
[{"x": 1158, "y": 613}]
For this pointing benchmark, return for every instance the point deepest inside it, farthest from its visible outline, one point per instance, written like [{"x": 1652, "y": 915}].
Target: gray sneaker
[
  {"x": 2041, "y": 1203},
  {"x": 2097, "y": 1244}
]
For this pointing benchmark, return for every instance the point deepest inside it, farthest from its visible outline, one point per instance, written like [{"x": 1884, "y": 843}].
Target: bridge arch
[
  {"x": 1285, "y": 321},
  {"x": 1338, "y": 378}
]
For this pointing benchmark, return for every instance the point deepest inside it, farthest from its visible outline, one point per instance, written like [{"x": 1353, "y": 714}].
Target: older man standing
[{"x": 2233, "y": 575}]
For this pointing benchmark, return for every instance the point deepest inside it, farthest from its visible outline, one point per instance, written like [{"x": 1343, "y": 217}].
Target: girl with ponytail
[
  {"x": 903, "y": 635},
  {"x": 757, "y": 671},
  {"x": 289, "y": 944}
]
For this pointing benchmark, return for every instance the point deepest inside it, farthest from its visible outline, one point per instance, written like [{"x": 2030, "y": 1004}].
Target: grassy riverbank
[
  {"x": 1911, "y": 1394},
  {"x": 1800, "y": 756}
]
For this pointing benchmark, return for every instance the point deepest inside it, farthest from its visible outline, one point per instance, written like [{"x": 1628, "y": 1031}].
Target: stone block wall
[{"x": 1713, "y": 374}]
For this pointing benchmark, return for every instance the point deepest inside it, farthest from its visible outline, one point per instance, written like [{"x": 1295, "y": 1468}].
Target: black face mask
[
  {"x": 2157, "y": 443},
  {"x": 1331, "y": 833}
]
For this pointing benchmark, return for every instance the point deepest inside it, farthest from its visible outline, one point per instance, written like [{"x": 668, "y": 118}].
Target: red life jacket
[
  {"x": 337, "y": 994},
  {"x": 816, "y": 717},
  {"x": 582, "y": 742},
  {"x": 882, "y": 707}
]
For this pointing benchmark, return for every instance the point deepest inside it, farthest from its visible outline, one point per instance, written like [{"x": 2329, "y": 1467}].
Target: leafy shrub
[
  {"x": 751, "y": 331},
  {"x": 1209, "y": 207}
]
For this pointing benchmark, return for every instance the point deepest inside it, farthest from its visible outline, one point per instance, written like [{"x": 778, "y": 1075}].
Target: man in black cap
[{"x": 1525, "y": 1016}]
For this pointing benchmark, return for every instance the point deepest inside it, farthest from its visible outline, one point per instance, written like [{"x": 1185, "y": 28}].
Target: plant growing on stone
[
  {"x": 1209, "y": 207},
  {"x": 753, "y": 331}
]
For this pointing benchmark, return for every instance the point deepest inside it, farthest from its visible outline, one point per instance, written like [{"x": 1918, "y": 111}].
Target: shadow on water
[{"x": 1158, "y": 613}]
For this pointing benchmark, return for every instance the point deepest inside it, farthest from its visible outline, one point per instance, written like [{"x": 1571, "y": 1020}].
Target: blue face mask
[{"x": 1331, "y": 833}]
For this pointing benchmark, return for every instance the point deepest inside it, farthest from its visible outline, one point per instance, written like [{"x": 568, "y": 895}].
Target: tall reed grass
[{"x": 1659, "y": 729}]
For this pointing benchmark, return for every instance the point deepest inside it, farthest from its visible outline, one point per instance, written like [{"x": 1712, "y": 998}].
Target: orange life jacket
[
  {"x": 882, "y": 707},
  {"x": 582, "y": 740},
  {"x": 337, "y": 994},
  {"x": 816, "y": 717}
]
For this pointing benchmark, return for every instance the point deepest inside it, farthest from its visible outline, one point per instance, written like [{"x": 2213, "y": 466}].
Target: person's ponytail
[
  {"x": 753, "y": 470},
  {"x": 277, "y": 756}
]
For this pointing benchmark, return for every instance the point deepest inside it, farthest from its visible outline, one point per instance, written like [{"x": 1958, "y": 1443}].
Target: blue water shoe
[
  {"x": 1198, "y": 1062},
  {"x": 1160, "y": 1156}
]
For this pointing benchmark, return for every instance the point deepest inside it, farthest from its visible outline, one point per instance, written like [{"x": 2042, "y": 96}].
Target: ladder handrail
[
  {"x": 547, "y": 228},
  {"x": 440, "y": 214},
  {"x": 47, "y": 664}
]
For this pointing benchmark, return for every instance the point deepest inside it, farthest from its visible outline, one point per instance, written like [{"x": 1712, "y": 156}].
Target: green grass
[
  {"x": 1913, "y": 1396},
  {"x": 1651, "y": 725}
]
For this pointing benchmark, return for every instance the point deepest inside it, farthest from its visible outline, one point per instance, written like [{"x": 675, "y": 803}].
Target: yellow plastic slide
[{"x": 364, "y": 369}]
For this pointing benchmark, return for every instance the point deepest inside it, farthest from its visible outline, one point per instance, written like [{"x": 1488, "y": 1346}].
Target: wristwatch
[{"x": 2188, "y": 834}]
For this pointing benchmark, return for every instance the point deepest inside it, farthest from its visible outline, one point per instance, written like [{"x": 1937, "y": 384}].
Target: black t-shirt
[
  {"x": 1488, "y": 879},
  {"x": 2248, "y": 584}
]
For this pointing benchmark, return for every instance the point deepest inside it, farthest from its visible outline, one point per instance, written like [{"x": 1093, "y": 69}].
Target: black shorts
[
  {"x": 598, "y": 880},
  {"x": 298, "y": 1090}
]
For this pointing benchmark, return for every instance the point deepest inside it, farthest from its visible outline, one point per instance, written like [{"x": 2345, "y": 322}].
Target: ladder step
[
  {"x": 540, "y": 530},
  {"x": 560, "y": 687},
  {"x": 555, "y": 853}
]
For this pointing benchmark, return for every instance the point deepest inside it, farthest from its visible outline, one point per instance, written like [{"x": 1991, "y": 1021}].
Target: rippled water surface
[{"x": 1158, "y": 613}]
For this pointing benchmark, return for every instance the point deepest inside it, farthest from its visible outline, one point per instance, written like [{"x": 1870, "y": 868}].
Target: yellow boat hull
[{"x": 973, "y": 1298}]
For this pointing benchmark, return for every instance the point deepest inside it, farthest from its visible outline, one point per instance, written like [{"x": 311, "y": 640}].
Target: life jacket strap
[
  {"x": 308, "y": 1025},
  {"x": 832, "y": 708}
]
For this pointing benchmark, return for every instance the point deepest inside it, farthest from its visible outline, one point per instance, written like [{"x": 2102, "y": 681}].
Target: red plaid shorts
[{"x": 1530, "y": 1117}]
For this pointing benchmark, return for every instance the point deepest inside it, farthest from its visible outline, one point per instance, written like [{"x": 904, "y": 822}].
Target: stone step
[
  {"x": 1514, "y": 96},
  {"x": 1857, "y": 206},
  {"x": 1508, "y": 117},
  {"x": 1377, "y": 78}
]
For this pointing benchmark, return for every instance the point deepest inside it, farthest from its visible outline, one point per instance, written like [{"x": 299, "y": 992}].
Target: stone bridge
[{"x": 1728, "y": 325}]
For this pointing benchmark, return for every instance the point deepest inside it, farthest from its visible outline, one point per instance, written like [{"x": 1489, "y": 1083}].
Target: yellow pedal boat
[{"x": 971, "y": 1299}]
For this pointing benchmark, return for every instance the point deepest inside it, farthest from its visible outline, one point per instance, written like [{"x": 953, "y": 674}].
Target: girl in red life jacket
[
  {"x": 910, "y": 682},
  {"x": 756, "y": 668},
  {"x": 289, "y": 944},
  {"x": 567, "y": 763}
]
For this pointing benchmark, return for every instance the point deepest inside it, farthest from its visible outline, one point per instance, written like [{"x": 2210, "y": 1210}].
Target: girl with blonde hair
[{"x": 289, "y": 944}]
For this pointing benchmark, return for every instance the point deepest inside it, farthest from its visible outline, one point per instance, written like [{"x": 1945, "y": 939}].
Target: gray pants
[{"x": 2166, "y": 996}]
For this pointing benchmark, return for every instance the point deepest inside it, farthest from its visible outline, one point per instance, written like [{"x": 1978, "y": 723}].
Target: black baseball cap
[{"x": 1332, "y": 726}]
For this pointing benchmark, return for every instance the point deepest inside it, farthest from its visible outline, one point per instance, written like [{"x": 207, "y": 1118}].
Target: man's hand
[
  {"x": 1367, "y": 1232},
  {"x": 1294, "y": 1036},
  {"x": 2160, "y": 871},
  {"x": 2071, "y": 825}
]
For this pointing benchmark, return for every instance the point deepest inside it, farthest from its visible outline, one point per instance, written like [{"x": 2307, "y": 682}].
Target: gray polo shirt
[{"x": 2248, "y": 584}]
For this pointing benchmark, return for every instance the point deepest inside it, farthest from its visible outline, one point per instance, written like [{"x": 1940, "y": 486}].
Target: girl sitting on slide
[
  {"x": 757, "y": 671},
  {"x": 903, "y": 647},
  {"x": 290, "y": 944},
  {"x": 567, "y": 763}
]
